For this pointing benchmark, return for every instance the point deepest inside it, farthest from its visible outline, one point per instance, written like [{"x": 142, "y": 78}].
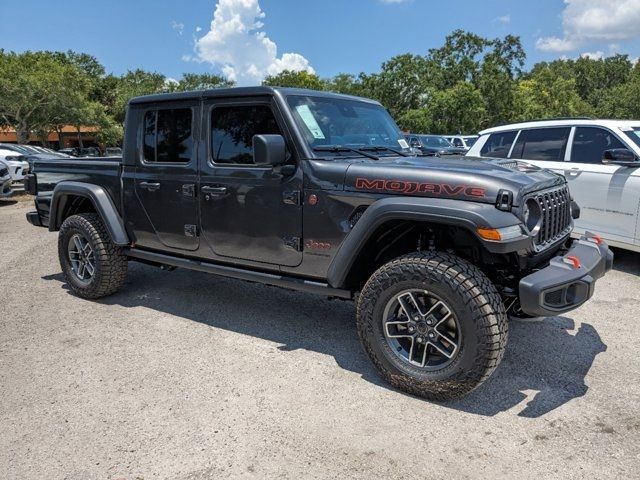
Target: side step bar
[{"x": 283, "y": 281}]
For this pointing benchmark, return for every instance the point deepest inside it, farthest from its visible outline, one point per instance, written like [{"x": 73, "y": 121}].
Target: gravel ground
[{"x": 184, "y": 375}]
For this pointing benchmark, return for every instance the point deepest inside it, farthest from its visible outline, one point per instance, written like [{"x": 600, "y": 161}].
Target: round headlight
[{"x": 532, "y": 215}]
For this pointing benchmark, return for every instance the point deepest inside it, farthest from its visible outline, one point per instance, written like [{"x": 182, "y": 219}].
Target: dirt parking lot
[{"x": 184, "y": 375}]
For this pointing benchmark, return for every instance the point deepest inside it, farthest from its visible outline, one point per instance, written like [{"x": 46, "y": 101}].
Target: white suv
[
  {"x": 17, "y": 168},
  {"x": 599, "y": 158}
]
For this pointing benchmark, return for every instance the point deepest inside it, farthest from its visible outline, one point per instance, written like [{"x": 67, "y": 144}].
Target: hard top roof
[{"x": 241, "y": 92}]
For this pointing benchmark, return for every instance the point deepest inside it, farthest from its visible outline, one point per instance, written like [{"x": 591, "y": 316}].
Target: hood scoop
[{"x": 517, "y": 166}]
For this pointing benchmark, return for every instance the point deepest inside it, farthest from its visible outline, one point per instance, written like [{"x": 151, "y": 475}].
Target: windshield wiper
[
  {"x": 338, "y": 149},
  {"x": 382, "y": 148}
]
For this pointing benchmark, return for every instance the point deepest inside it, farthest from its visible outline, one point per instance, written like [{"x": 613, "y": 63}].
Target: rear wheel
[
  {"x": 92, "y": 265},
  {"x": 433, "y": 325}
]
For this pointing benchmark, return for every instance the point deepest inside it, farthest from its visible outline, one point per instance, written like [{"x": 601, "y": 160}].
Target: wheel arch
[
  {"x": 76, "y": 197},
  {"x": 389, "y": 213}
]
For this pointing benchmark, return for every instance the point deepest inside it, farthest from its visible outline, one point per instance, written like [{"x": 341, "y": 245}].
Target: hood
[{"x": 467, "y": 178}]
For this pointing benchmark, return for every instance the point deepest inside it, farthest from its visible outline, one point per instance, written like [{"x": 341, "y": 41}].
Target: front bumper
[{"x": 568, "y": 281}]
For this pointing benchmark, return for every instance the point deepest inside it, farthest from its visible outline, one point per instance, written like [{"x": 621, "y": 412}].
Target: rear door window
[
  {"x": 498, "y": 144},
  {"x": 167, "y": 136},
  {"x": 589, "y": 144},
  {"x": 547, "y": 144}
]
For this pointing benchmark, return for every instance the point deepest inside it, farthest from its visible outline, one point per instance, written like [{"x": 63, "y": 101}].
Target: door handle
[
  {"x": 151, "y": 186},
  {"x": 573, "y": 172},
  {"x": 214, "y": 190}
]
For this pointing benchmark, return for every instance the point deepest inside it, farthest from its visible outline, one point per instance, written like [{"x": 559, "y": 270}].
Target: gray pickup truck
[{"x": 319, "y": 192}]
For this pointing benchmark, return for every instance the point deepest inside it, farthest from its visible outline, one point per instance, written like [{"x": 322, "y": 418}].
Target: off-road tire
[
  {"x": 110, "y": 262},
  {"x": 473, "y": 299}
]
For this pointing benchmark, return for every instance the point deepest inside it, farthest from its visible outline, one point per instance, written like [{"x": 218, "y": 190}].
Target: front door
[
  {"x": 166, "y": 177},
  {"x": 608, "y": 195},
  {"x": 249, "y": 212}
]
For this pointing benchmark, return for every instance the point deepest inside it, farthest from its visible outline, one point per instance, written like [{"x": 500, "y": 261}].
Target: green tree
[
  {"x": 198, "y": 81},
  {"x": 295, "y": 79},
  {"x": 33, "y": 86}
]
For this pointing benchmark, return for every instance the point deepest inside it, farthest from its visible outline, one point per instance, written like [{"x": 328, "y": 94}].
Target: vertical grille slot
[{"x": 556, "y": 216}]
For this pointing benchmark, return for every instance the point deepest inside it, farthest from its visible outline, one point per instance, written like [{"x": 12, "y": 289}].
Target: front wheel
[
  {"x": 92, "y": 265},
  {"x": 433, "y": 325}
]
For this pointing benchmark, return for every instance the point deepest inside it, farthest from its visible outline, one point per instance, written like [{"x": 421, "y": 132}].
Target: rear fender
[{"x": 101, "y": 201}]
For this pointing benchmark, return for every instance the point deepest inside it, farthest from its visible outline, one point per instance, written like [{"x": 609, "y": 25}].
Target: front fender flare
[
  {"x": 469, "y": 215},
  {"x": 101, "y": 201}
]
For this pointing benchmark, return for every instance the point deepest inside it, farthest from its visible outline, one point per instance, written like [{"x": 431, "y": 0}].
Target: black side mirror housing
[
  {"x": 620, "y": 156},
  {"x": 269, "y": 150}
]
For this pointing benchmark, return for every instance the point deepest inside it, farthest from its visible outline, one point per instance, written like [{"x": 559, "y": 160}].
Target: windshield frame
[{"x": 346, "y": 149}]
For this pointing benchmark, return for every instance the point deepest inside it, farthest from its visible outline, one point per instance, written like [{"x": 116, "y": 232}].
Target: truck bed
[{"x": 104, "y": 172}]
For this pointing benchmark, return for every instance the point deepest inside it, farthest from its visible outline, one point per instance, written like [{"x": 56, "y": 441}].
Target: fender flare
[
  {"x": 101, "y": 201},
  {"x": 468, "y": 215}
]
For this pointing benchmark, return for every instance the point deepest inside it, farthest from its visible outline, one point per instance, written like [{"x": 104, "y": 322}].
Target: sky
[{"x": 248, "y": 39}]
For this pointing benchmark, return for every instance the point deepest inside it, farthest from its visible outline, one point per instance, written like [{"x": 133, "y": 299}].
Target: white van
[{"x": 599, "y": 158}]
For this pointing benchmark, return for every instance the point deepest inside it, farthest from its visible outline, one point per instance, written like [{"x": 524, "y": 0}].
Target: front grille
[{"x": 556, "y": 216}]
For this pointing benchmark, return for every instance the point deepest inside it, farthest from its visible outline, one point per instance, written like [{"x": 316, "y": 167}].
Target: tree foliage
[{"x": 467, "y": 84}]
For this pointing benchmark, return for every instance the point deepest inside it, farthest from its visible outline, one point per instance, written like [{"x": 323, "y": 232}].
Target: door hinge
[
  {"x": 191, "y": 230},
  {"x": 189, "y": 190},
  {"x": 295, "y": 243},
  {"x": 292, "y": 197}
]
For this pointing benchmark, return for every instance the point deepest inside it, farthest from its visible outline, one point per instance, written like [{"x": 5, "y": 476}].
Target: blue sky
[{"x": 328, "y": 36}]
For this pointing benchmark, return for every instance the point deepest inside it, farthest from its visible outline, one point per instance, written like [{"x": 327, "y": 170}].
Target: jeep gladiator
[{"x": 319, "y": 192}]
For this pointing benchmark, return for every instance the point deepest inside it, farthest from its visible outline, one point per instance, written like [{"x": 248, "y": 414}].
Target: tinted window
[
  {"x": 233, "y": 128},
  {"x": 589, "y": 144},
  {"x": 167, "y": 136},
  {"x": 542, "y": 144},
  {"x": 498, "y": 145}
]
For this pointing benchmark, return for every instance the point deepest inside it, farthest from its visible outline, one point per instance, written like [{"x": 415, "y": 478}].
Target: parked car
[
  {"x": 81, "y": 152},
  {"x": 317, "y": 192},
  {"x": 435, "y": 145},
  {"x": 5, "y": 180},
  {"x": 462, "y": 141},
  {"x": 600, "y": 160},
  {"x": 18, "y": 167},
  {"x": 113, "y": 152}
]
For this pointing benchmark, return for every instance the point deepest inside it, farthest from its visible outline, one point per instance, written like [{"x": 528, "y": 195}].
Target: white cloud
[
  {"x": 177, "y": 26},
  {"x": 599, "y": 55},
  {"x": 586, "y": 21},
  {"x": 238, "y": 46},
  {"x": 394, "y": 1},
  {"x": 503, "y": 19}
]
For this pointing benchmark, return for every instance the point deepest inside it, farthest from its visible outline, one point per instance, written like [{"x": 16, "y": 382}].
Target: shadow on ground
[
  {"x": 6, "y": 202},
  {"x": 547, "y": 357}
]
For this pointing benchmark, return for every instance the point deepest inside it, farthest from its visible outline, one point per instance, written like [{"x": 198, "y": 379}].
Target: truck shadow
[
  {"x": 626, "y": 261},
  {"x": 543, "y": 357}
]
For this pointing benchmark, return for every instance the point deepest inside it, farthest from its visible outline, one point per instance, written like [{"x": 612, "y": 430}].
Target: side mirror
[
  {"x": 415, "y": 144},
  {"x": 620, "y": 156},
  {"x": 269, "y": 150}
]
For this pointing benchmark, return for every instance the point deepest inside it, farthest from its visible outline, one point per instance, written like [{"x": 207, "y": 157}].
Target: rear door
[
  {"x": 166, "y": 176},
  {"x": 249, "y": 212}
]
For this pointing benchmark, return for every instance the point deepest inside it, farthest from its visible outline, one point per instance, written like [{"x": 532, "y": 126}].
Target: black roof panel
[{"x": 239, "y": 92}]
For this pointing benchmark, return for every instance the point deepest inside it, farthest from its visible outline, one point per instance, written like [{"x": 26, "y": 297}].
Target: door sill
[{"x": 284, "y": 281}]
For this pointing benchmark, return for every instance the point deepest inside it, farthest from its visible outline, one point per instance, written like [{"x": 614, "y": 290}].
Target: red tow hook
[
  {"x": 597, "y": 239},
  {"x": 573, "y": 261}
]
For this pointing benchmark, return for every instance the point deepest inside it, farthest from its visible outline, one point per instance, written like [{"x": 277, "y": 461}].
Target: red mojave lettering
[{"x": 402, "y": 186}]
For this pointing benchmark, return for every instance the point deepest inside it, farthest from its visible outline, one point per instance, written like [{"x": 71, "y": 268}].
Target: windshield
[
  {"x": 435, "y": 142},
  {"x": 335, "y": 122},
  {"x": 634, "y": 134}
]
